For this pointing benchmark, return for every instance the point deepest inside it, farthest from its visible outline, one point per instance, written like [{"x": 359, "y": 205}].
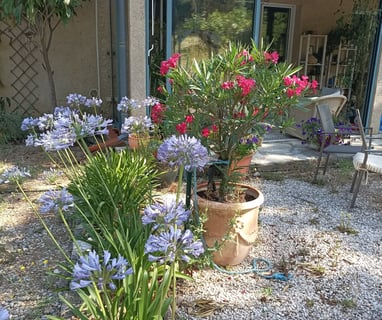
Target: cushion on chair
[{"x": 374, "y": 162}]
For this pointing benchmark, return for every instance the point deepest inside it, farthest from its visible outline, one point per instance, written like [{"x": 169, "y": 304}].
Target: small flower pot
[
  {"x": 242, "y": 165},
  {"x": 136, "y": 142}
]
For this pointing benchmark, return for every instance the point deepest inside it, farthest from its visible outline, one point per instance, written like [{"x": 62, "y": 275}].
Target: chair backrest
[
  {"x": 335, "y": 103},
  {"x": 326, "y": 118},
  {"x": 361, "y": 130}
]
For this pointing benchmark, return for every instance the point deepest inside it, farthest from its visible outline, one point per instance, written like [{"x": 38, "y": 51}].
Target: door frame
[{"x": 291, "y": 24}]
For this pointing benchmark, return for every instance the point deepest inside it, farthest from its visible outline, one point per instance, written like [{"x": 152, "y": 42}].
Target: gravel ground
[{"x": 335, "y": 274}]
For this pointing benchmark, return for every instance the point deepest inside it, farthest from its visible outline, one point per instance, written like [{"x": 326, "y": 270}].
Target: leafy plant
[
  {"x": 345, "y": 225},
  {"x": 10, "y": 123},
  {"x": 229, "y": 97},
  {"x": 313, "y": 132}
]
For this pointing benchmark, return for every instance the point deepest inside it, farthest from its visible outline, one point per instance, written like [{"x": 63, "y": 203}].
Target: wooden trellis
[{"x": 23, "y": 71}]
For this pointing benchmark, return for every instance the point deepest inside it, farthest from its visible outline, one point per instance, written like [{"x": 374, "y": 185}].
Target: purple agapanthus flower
[
  {"x": 55, "y": 200},
  {"x": 173, "y": 244},
  {"x": 57, "y": 139},
  {"x": 137, "y": 125},
  {"x": 75, "y": 100},
  {"x": 14, "y": 174},
  {"x": 93, "y": 102},
  {"x": 183, "y": 151},
  {"x": 90, "y": 270},
  {"x": 127, "y": 104},
  {"x": 149, "y": 101},
  {"x": 29, "y": 123},
  {"x": 66, "y": 126},
  {"x": 167, "y": 213},
  {"x": 4, "y": 314}
]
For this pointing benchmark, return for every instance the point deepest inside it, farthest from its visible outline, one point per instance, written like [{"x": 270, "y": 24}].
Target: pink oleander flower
[
  {"x": 205, "y": 132},
  {"x": 169, "y": 64},
  {"x": 228, "y": 85},
  {"x": 181, "y": 127},
  {"x": 245, "y": 84},
  {"x": 189, "y": 119},
  {"x": 271, "y": 57}
]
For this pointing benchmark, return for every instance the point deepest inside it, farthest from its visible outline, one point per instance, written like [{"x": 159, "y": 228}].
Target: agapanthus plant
[
  {"x": 55, "y": 200},
  {"x": 223, "y": 99},
  {"x": 14, "y": 175},
  {"x": 170, "y": 241},
  {"x": 138, "y": 125},
  {"x": 90, "y": 271},
  {"x": 183, "y": 152},
  {"x": 127, "y": 105},
  {"x": 95, "y": 280},
  {"x": 67, "y": 125}
]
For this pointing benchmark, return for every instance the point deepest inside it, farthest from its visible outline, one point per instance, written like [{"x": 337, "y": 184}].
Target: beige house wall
[
  {"x": 83, "y": 52},
  {"x": 137, "y": 50}
]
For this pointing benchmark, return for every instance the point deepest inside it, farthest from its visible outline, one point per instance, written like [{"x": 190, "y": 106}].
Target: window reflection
[{"x": 203, "y": 27}]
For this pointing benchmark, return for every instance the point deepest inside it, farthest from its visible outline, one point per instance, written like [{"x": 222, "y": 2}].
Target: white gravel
[{"x": 336, "y": 275}]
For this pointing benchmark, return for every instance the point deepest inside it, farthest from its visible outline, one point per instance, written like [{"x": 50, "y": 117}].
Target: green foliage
[
  {"x": 10, "y": 123},
  {"x": 359, "y": 28},
  {"x": 111, "y": 190},
  {"x": 232, "y": 98},
  {"x": 34, "y": 8}
]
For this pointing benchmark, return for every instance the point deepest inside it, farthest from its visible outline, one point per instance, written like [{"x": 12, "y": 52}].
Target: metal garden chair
[
  {"x": 329, "y": 145},
  {"x": 368, "y": 160}
]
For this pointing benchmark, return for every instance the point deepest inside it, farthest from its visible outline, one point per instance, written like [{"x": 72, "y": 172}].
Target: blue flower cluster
[
  {"x": 138, "y": 125},
  {"x": 126, "y": 104},
  {"x": 66, "y": 126},
  {"x": 183, "y": 151},
  {"x": 4, "y": 314},
  {"x": 14, "y": 174},
  {"x": 55, "y": 200},
  {"x": 75, "y": 100},
  {"x": 90, "y": 270},
  {"x": 170, "y": 213},
  {"x": 170, "y": 242}
]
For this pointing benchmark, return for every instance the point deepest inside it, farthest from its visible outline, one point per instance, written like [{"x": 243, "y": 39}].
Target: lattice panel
[{"x": 25, "y": 98}]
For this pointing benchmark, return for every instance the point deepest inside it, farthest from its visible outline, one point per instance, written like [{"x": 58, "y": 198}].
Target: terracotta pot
[
  {"x": 136, "y": 142},
  {"x": 242, "y": 166},
  {"x": 219, "y": 224}
]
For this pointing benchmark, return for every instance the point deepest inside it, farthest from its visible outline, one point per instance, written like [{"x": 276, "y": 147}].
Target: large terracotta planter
[
  {"x": 136, "y": 142},
  {"x": 242, "y": 234}
]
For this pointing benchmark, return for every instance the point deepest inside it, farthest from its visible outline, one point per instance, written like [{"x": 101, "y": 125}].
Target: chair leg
[
  {"x": 355, "y": 175},
  {"x": 318, "y": 166},
  {"x": 356, "y": 187},
  {"x": 326, "y": 163}
]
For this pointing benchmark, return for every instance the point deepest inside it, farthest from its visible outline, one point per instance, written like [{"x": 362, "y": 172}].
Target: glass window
[{"x": 202, "y": 27}]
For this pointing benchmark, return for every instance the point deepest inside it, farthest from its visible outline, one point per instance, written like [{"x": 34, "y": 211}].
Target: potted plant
[
  {"x": 138, "y": 128},
  {"x": 229, "y": 99},
  {"x": 313, "y": 133},
  {"x": 229, "y": 102}
]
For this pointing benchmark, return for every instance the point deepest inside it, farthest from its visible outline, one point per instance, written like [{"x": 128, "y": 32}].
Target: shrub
[{"x": 10, "y": 123}]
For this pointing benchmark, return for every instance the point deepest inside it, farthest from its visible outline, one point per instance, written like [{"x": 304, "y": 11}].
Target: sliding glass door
[
  {"x": 277, "y": 28},
  {"x": 196, "y": 29}
]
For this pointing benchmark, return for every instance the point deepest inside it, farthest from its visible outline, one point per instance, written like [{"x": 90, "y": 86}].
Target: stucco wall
[
  {"x": 74, "y": 57},
  {"x": 137, "y": 50}
]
